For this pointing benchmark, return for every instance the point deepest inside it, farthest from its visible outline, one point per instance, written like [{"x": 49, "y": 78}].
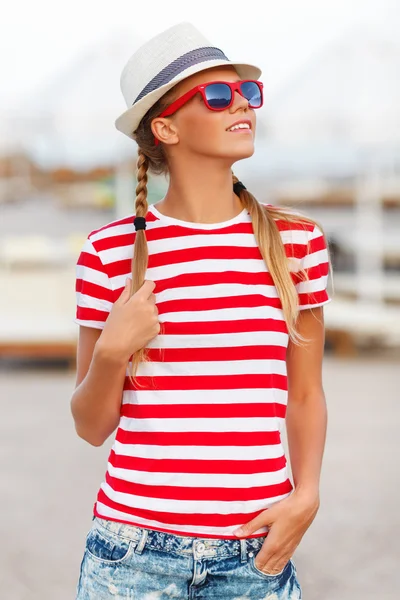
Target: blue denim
[{"x": 126, "y": 562}]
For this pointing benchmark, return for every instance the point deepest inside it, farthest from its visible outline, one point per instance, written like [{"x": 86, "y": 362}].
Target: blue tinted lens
[
  {"x": 252, "y": 92},
  {"x": 218, "y": 95}
]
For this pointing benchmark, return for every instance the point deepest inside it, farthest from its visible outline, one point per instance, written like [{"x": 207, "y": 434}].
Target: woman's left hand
[{"x": 288, "y": 520}]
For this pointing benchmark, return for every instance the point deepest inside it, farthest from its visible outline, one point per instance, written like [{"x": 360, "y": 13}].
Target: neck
[{"x": 201, "y": 192}]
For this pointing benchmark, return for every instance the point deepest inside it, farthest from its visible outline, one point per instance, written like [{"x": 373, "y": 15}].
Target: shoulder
[
  {"x": 289, "y": 219},
  {"x": 111, "y": 229}
]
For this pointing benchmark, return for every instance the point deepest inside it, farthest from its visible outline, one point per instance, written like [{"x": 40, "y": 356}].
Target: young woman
[{"x": 201, "y": 331}]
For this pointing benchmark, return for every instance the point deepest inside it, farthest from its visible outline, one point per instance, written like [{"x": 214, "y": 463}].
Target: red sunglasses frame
[{"x": 234, "y": 86}]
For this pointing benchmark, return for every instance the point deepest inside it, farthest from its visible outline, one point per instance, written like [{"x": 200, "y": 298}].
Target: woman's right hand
[{"x": 132, "y": 322}]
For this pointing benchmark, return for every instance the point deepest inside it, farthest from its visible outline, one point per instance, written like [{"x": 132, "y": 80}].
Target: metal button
[
  {"x": 200, "y": 547},
  {"x": 251, "y": 553}
]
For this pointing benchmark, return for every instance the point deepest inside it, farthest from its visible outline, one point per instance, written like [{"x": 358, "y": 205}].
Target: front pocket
[
  {"x": 107, "y": 547},
  {"x": 253, "y": 566}
]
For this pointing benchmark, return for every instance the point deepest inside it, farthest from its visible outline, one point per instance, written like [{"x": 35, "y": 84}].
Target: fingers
[
  {"x": 145, "y": 291},
  {"x": 145, "y": 294},
  {"x": 126, "y": 291},
  {"x": 271, "y": 565},
  {"x": 147, "y": 288}
]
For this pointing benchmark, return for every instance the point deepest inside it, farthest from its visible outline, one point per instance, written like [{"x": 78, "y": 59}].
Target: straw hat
[{"x": 163, "y": 61}]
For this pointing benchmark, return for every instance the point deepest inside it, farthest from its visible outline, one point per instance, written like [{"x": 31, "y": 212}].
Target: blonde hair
[{"x": 153, "y": 158}]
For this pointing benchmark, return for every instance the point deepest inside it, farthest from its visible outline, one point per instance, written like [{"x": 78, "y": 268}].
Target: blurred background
[{"x": 327, "y": 143}]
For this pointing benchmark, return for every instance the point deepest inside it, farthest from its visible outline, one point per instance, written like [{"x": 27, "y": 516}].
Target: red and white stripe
[{"x": 198, "y": 450}]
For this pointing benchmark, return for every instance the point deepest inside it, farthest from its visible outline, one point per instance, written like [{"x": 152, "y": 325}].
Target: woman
[{"x": 197, "y": 348}]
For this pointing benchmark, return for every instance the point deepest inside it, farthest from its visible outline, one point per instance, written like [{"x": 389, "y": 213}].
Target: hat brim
[{"x": 129, "y": 120}]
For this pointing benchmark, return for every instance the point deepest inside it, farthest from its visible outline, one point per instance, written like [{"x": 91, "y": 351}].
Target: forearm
[
  {"x": 306, "y": 423},
  {"x": 96, "y": 402}
]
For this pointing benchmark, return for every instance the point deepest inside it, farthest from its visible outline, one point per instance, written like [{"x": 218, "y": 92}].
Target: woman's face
[{"x": 196, "y": 129}]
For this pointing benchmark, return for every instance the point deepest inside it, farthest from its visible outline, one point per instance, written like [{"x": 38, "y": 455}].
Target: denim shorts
[{"x": 126, "y": 562}]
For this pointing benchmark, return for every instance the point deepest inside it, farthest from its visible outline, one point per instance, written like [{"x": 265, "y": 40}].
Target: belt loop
[
  {"x": 243, "y": 550},
  {"x": 142, "y": 541}
]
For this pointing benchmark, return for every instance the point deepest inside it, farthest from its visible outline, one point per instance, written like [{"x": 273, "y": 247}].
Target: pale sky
[{"x": 38, "y": 38}]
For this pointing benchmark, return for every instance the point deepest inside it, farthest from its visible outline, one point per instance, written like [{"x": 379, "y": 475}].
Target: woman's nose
[{"x": 239, "y": 101}]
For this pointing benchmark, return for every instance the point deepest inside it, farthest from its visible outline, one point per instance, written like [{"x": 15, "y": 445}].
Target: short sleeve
[
  {"x": 315, "y": 262},
  {"x": 94, "y": 294}
]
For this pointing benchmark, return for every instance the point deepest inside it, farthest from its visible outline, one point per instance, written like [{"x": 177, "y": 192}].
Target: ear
[{"x": 165, "y": 130}]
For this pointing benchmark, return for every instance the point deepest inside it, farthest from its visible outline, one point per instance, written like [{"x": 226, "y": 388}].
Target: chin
[{"x": 245, "y": 151}]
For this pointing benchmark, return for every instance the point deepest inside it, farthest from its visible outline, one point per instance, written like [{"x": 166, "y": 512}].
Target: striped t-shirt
[{"x": 200, "y": 453}]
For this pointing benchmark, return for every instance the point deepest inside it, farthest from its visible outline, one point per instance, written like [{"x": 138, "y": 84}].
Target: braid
[
  {"x": 140, "y": 254},
  {"x": 141, "y": 204},
  {"x": 273, "y": 252},
  {"x": 140, "y": 251}
]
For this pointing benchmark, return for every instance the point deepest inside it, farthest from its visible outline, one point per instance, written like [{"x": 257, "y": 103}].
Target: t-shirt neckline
[{"x": 190, "y": 224}]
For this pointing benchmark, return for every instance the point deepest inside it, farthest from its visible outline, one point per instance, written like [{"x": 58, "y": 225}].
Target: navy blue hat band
[{"x": 180, "y": 64}]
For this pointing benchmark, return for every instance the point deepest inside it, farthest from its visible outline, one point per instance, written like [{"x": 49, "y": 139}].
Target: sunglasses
[{"x": 219, "y": 95}]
